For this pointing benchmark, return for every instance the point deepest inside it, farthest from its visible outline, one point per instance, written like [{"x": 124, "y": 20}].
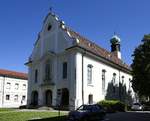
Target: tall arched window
[
  {"x": 64, "y": 70},
  {"x": 122, "y": 80},
  {"x": 48, "y": 70},
  {"x": 129, "y": 84},
  {"x": 103, "y": 81},
  {"x": 114, "y": 78},
  {"x": 89, "y": 73},
  {"x": 36, "y": 76}
]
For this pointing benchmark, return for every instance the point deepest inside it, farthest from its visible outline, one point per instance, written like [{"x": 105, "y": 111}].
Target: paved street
[{"x": 129, "y": 116}]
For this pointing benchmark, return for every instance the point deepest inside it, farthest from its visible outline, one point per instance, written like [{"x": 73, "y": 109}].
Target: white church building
[
  {"x": 67, "y": 69},
  {"x": 13, "y": 89}
]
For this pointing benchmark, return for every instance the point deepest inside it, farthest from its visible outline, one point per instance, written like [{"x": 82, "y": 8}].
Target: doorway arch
[
  {"x": 34, "y": 98},
  {"x": 65, "y": 97},
  {"x": 48, "y": 98}
]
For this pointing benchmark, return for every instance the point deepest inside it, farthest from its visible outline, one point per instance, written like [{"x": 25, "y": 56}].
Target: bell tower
[{"x": 115, "y": 46}]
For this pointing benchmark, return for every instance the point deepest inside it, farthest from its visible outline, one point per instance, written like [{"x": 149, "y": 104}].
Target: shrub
[
  {"x": 113, "y": 105},
  {"x": 22, "y": 107}
]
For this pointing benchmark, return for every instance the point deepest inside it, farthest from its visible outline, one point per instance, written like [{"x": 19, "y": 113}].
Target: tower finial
[
  {"x": 114, "y": 33},
  {"x": 50, "y": 9},
  {"x": 115, "y": 45}
]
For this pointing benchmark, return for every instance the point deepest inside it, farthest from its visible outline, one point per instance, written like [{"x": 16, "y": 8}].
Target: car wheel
[{"x": 84, "y": 119}]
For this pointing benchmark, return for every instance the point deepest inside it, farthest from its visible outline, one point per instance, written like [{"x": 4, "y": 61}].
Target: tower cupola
[{"x": 115, "y": 46}]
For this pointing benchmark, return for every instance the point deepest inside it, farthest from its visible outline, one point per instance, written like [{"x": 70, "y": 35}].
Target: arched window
[
  {"x": 122, "y": 81},
  {"x": 114, "y": 78},
  {"x": 129, "y": 84},
  {"x": 103, "y": 80},
  {"x": 49, "y": 27},
  {"x": 36, "y": 76},
  {"x": 89, "y": 73},
  {"x": 48, "y": 97},
  {"x": 34, "y": 98},
  {"x": 64, "y": 70},
  {"x": 48, "y": 70}
]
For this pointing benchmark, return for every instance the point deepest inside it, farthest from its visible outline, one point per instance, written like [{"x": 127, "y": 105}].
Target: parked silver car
[
  {"x": 137, "y": 106},
  {"x": 87, "y": 113}
]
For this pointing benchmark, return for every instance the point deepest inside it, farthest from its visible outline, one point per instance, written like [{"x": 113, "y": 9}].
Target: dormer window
[{"x": 49, "y": 27}]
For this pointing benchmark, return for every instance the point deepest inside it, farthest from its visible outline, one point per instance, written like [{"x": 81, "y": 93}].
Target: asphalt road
[{"x": 128, "y": 116}]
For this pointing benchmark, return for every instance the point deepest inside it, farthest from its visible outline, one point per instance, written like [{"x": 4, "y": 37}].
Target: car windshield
[
  {"x": 136, "y": 104},
  {"x": 84, "y": 107},
  {"x": 89, "y": 107}
]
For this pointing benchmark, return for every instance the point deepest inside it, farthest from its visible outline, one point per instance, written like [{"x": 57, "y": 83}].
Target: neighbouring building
[
  {"x": 13, "y": 89},
  {"x": 67, "y": 69}
]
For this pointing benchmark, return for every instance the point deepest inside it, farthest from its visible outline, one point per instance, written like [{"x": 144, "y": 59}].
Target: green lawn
[
  {"x": 12, "y": 115},
  {"x": 6, "y": 109}
]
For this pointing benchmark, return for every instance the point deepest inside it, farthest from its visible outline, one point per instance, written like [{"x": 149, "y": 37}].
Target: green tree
[{"x": 141, "y": 68}]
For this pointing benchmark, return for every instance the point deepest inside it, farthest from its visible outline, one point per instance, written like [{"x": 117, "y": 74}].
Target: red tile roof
[
  {"x": 94, "y": 48},
  {"x": 13, "y": 74}
]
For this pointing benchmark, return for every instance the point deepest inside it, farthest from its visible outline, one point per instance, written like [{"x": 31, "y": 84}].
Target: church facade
[{"x": 69, "y": 70}]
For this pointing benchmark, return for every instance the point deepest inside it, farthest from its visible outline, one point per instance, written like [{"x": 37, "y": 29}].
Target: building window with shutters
[
  {"x": 24, "y": 87},
  {"x": 23, "y": 98},
  {"x": 8, "y": 85},
  {"x": 89, "y": 74},
  {"x": 103, "y": 81},
  {"x": 7, "y": 97},
  {"x": 16, "y": 98},
  {"x": 64, "y": 73},
  {"x": 16, "y": 86}
]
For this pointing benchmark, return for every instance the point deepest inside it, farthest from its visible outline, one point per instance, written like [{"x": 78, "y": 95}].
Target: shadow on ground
[
  {"x": 129, "y": 116},
  {"x": 60, "y": 118}
]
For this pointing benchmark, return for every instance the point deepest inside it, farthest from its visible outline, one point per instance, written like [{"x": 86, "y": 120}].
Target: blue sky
[{"x": 21, "y": 20}]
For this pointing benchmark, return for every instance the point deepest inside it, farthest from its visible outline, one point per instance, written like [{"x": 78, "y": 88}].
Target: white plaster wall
[
  {"x": 1, "y": 90},
  {"x": 12, "y": 92},
  {"x": 96, "y": 87}
]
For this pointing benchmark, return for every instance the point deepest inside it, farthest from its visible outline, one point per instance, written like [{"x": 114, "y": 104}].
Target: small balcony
[{"x": 47, "y": 82}]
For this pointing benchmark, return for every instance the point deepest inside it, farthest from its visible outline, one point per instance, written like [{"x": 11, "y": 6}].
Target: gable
[{"x": 51, "y": 38}]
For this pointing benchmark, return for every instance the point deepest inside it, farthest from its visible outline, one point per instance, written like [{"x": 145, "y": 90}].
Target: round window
[{"x": 49, "y": 27}]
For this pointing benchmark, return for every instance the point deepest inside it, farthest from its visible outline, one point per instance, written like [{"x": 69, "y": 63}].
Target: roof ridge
[
  {"x": 85, "y": 42},
  {"x": 14, "y": 74},
  {"x": 13, "y": 71}
]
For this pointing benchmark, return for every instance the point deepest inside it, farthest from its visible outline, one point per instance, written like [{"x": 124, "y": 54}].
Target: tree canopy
[{"x": 141, "y": 67}]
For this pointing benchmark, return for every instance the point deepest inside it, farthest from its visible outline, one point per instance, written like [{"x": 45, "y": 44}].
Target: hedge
[{"x": 113, "y": 105}]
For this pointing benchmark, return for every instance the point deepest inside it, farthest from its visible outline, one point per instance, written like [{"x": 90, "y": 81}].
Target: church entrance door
[
  {"x": 48, "y": 98},
  {"x": 65, "y": 97},
  {"x": 34, "y": 97}
]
